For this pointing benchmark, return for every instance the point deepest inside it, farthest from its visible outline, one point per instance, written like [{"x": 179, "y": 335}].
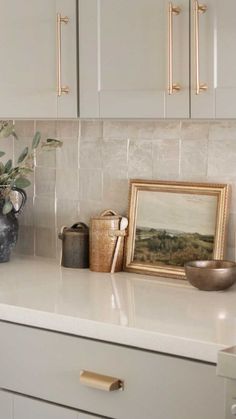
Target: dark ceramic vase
[{"x": 9, "y": 227}]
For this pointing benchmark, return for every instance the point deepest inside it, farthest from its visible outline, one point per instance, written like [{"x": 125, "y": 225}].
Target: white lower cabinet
[
  {"x": 47, "y": 365},
  {"x": 19, "y": 407},
  {"x": 25, "y": 408},
  {"x": 226, "y": 368},
  {"x": 6, "y": 405}
]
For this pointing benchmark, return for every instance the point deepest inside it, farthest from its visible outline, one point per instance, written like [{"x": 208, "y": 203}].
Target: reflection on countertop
[{"x": 159, "y": 314}]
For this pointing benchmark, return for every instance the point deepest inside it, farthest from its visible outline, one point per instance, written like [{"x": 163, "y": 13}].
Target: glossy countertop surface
[{"x": 158, "y": 314}]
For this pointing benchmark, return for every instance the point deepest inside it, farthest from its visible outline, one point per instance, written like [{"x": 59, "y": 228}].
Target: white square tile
[
  {"x": 115, "y": 155},
  {"x": 140, "y": 159},
  {"x": 67, "y": 184},
  {"x": 45, "y": 181},
  {"x": 90, "y": 184},
  {"x": 92, "y": 129},
  {"x": 90, "y": 154}
]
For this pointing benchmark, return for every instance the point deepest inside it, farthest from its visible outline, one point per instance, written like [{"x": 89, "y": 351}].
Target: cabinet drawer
[
  {"x": 47, "y": 365},
  {"x": 6, "y": 405}
]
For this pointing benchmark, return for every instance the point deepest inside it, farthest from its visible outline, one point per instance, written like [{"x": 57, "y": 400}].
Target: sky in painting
[{"x": 183, "y": 212}]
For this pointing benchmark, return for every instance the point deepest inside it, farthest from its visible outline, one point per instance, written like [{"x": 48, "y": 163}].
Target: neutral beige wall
[{"x": 91, "y": 171}]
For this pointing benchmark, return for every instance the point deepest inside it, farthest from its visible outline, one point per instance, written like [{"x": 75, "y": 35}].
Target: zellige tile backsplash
[{"x": 91, "y": 171}]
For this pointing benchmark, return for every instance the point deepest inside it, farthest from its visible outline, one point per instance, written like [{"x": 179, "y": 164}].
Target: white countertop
[{"x": 159, "y": 314}]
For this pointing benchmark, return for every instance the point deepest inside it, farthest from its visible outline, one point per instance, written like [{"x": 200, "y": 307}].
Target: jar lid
[
  {"x": 107, "y": 215},
  {"x": 78, "y": 228}
]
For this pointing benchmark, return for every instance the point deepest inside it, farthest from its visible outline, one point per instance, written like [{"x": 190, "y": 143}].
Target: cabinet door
[
  {"x": 25, "y": 408},
  {"x": 156, "y": 386},
  {"x": 28, "y": 60},
  {"x": 6, "y": 405},
  {"x": 217, "y": 60},
  {"x": 124, "y": 59}
]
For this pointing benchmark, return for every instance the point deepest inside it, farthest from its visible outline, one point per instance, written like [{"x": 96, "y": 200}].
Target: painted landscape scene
[
  {"x": 171, "y": 247},
  {"x": 172, "y": 229}
]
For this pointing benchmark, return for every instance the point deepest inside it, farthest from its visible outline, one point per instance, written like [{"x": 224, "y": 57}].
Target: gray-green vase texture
[{"x": 9, "y": 227}]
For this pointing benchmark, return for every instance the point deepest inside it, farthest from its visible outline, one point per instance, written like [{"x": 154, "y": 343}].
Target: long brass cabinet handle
[
  {"x": 60, "y": 89},
  {"x": 100, "y": 382},
  {"x": 198, "y": 9},
  {"x": 172, "y": 11}
]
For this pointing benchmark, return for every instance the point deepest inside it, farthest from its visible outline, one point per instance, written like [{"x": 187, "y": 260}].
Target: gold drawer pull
[{"x": 100, "y": 382}]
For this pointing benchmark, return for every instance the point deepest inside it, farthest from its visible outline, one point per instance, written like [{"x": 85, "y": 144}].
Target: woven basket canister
[{"x": 104, "y": 232}]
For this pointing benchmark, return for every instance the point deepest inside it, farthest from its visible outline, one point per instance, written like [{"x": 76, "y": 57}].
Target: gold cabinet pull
[
  {"x": 198, "y": 9},
  {"x": 60, "y": 89},
  {"x": 100, "y": 382},
  {"x": 172, "y": 11}
]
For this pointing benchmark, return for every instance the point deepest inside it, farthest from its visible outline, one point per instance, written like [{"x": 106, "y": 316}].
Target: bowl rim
[{"x": 188, "y": 264}]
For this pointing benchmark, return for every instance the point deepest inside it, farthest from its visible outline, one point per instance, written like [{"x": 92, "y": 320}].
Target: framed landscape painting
[{"x": 171, "y": 223}]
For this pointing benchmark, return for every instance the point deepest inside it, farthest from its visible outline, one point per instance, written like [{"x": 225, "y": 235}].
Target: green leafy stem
[{"x": 17, "y": 176}]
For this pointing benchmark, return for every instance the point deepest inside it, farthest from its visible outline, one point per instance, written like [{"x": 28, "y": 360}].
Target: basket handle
[{"x": 108, "y": 212}]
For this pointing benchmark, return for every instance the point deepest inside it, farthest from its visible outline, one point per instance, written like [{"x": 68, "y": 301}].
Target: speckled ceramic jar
[
  {"x": 75, "y": 246},
  {"x": 104, "y": 231}
]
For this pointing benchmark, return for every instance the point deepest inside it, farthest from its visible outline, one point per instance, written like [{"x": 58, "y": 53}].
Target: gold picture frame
[{"x": 171, "y": 223}]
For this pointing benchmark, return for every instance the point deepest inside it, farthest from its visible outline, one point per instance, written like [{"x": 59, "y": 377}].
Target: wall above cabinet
[{"x": 156, "y": 59}]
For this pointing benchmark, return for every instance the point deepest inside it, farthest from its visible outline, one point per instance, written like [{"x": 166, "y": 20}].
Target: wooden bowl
[{"x": 211, "y": 275}]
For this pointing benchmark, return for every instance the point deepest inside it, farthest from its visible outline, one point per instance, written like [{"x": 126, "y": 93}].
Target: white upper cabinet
[
  {"x": 133, "y": 51},
  {"x": 137, "y": 59},
  {"x": 129, "y": 53},
  {"x": 217, "y": 59},
  {"x": 35, "y": 50}
]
